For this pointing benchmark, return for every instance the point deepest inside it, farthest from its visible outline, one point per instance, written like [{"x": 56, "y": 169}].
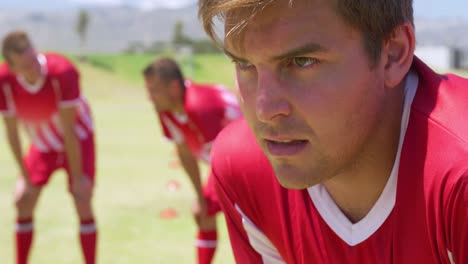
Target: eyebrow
[
  {"x": 301, "y": 50},
  {"x": 232, "y": 56},
  {"x": 295, "y": 52}
]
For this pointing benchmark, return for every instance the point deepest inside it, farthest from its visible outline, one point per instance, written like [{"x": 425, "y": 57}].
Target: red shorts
[
  {"x": 41, "y": 165},
  {"x": 211, "y": 198}
]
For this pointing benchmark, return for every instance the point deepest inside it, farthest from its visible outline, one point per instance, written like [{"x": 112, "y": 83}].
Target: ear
[{"x": 398, "y": 54}]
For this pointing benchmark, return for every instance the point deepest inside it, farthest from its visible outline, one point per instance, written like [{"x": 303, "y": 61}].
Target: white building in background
[{"x": 440, "y": 57}]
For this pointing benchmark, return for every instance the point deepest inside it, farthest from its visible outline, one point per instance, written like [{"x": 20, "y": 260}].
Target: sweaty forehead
[{"x": 276, "y": 23}]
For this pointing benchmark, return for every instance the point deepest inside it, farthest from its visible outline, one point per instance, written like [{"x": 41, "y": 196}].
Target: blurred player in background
[
  {"x": 191, "y": 116},
  {"x": 41, "y": 92}
]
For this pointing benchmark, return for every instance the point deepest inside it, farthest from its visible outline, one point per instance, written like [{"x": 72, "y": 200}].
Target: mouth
[{"x": 285, "y": 148}]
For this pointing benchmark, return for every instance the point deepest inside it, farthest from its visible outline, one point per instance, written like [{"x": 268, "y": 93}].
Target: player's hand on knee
[
  {"x": 24, "y": 190},
  {"x": 199, "y": 209},
  {"x": 81, "y": 188}
]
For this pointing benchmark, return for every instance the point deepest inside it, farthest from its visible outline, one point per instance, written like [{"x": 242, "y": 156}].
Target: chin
[{"x": 294, "y": 179}]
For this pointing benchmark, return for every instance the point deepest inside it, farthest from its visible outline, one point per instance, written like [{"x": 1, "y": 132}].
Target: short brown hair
[
  {"x": 166, "y": 69},
  {"x": 15, "y": 42},
  {"x": 376, "y": 19}
]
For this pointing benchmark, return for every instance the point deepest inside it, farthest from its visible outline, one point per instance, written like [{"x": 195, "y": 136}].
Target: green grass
[
  {"x": 203, "y": 68},
  {"x": 131, "y": 183}
]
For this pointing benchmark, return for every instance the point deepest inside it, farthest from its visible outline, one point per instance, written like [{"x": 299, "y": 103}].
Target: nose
[{"x": 271, "y": 97}]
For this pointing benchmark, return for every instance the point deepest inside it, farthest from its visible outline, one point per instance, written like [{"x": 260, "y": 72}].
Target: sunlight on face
[{"x": 306, "y": 89}]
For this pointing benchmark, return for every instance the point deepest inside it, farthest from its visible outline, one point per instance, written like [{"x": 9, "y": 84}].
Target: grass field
[{"x": 133, "y": 171}]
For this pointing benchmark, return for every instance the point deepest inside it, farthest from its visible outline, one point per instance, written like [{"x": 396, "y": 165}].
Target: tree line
[{"x": 180, "y": 40}]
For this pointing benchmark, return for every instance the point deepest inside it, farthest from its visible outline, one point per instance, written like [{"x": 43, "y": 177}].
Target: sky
[
  {"x": 63, "y": 4},
  {"x": 423, "y": 8}
]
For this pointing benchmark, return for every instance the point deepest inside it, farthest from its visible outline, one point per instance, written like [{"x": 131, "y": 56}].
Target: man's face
[
  {"x": 307, "y": 90},
  {"x": 26, "y": 64},
  {"x": 161, "y": 94}
]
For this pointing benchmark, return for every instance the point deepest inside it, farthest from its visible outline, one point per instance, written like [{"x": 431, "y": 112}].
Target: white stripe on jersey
[
  {"x": 229, "y": 98},
  {"x": 52, "y": 141},
  {"x": 175, "y": 132},
  {"x": 80, "y": 131},
  {"x": 205, "y": 152},
  {"x": 9, "y": 101},
  {"x": 70, "y": 103},
  {"x": 52, "y": 130},
  {"x": 232, "y": 113},
  {"x": 85, "y": 116},
  {"x": 259, "y": 241},
  {"x": 450, "y": 256},
  {"x": 56, "y": 123},
  {"x": 31, "y": 131}
]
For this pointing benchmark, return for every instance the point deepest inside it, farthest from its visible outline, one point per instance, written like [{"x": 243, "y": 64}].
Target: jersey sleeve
[
  {"x": 231, "y": 105},
  {"x": 69, "y": 87},
  {"x": 457, "y": 221},
  {"x": 170, "y": 131},
  {"x": 6, "y": 99},
  {"x": 232, "y": 112},
  {"x": 223, "y": 109},
  {"x": 243, "y": 251}
]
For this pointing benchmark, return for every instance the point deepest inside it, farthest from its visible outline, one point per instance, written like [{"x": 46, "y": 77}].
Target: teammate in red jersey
[
  {"x": 191, "y": 116},
  {"x": 41, "y": 92},
  {"x": 352, "y": 149}
]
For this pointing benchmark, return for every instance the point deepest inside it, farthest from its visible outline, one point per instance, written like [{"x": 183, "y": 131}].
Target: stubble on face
[{"x": 338, "y": 126}]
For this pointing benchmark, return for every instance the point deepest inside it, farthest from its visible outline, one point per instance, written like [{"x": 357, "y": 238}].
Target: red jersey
[
  {"x": 420, "y": 217},
  {"x": 36, "y": 106},
  {"x": 208, "y": 109}
]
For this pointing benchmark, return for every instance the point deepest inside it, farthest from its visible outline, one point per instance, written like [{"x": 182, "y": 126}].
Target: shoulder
[
  {"x": 441, "y": 103},
  {"x": 208, "y": 95},
  {"x": 234, "y": 139},
  {"x": 59, "y": 65},
  {"x": 238, "y": 161},
  {"x": 5, "y": 73},
  {"x": 437, "y": 134},
  {"x": 436, "y": 140},
  {"x": 245, "y": 175}
]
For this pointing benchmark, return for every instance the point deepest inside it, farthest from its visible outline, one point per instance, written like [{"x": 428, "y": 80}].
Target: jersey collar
[
  {"x": 355, "y": 233},
  {"x": 34, "y": 88}
]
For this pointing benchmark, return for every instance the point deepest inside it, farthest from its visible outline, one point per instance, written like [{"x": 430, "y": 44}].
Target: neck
[
  {"x": 179, "y": 108},
  {"x": 32, "y": 79},
  {"x": 34, "y": 76},
  {"x": 357, "y": 189}
]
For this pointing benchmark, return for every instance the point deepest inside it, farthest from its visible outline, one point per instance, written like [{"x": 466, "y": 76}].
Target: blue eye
[{"x": 303, "y": 62}]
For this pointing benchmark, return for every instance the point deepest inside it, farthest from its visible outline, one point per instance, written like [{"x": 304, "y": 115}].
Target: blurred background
[
  {"x": 148, "y": 26},
  {"x": 138, "y": 175}
]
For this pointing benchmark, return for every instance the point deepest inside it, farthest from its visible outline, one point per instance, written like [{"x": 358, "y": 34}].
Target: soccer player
[
  {"x": 41, "y": 92},
  {"x": 352, "y": 150},
  {"x": 191, "y": 115}
]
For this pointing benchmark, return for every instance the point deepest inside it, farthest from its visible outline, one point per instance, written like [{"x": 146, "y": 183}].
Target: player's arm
[
  {"x": 190, "y": 164},
  {"x": 67, "y": 92},
  {"x": 11, "y": 126},
  {"x": 71, "y": 141},
  {"x": 241, "y": 247},
  {"x": 457, "y": 221}
]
